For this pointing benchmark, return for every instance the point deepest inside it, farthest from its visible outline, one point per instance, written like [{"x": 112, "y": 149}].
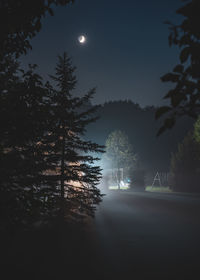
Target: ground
[
  {"x": 135, "y": 235},
  {"x": 149, "y": 235}
]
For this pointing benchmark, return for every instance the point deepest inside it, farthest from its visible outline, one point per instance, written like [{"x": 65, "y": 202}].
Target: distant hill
[{"x": 141, "y": 127}]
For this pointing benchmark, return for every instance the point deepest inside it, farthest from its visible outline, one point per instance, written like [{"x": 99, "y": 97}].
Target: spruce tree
[
  {"x": 73, "y": 174},
  {"x": 23, "y": 115}
]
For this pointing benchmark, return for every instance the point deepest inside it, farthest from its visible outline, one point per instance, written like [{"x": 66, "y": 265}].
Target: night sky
[{"x": 126, "y": 52}]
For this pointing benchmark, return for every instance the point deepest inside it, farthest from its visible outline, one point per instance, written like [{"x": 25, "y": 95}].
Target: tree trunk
[
  {"x": 118, "y": 177},
  {"x": 62, "y": 181}
]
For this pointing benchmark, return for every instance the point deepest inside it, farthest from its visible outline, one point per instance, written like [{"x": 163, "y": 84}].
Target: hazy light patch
[{"x": 123, "y": 186}]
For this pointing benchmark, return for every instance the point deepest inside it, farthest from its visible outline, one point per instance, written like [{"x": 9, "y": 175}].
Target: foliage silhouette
[
  {"x": 20, "y": 21},
  {"x": 76, "y": 175},
  {"x": 42, "y": 145},
  {"x": 23, "y": 120},
  {"x": 185, "y": 165},
  {"x": 197, "y": 130},
  {"x": 185, "y": 96}
]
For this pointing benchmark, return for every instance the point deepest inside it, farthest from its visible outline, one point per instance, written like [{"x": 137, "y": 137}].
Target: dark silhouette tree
[
  {"x": 46, "y": 166},
  {"x": 73, "y": 170},
  {"x": 197, "y": 130},
  {"x": 185, "y": 165},
  {"x": 185, "y": 96},
  {"x": 23, "y": 116},
  {"x": 20, "y": 21}
]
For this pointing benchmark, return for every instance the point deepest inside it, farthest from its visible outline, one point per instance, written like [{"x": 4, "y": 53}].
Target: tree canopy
[
  {"x": 23, "y": 120},
  {"x": 46, "y": 166},
  {"x": 185, "y": 165},
  {"x": 119, "y": 150},
  {"x": 197, "y": 130},
  {"x": 185, "y": 96},
  {"x": 20, "y": 21},
  {"x": 76, "y": 173}
]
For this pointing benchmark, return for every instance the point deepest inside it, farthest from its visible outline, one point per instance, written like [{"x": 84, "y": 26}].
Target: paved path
[
  {"x": 134, "y": 236},
  {"x": 140, "y": 235}
]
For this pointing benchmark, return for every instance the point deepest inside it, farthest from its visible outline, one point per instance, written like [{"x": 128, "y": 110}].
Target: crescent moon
[{"x": 82, "y": 39}]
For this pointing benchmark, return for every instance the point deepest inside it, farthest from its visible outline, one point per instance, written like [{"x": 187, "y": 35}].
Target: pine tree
[
  {"x": 23, "y": 115},
  {"x": 73, "y": 175}
]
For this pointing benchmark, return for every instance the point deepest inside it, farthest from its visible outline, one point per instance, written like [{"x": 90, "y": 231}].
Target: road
[
  {"x": 134, "y": 236},
  {"x": 141, "y": 235}
]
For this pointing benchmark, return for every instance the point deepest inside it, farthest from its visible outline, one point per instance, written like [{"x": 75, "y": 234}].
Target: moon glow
[{"x": 82, "y": 39}]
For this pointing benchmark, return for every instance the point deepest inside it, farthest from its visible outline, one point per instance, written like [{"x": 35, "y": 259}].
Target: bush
[
  {"x": 185, "y": 166},
  {"x": 137, "y": 178}
]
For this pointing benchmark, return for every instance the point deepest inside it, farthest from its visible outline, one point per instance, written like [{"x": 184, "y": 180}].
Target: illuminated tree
[
  {"x": 185, "y": 96},
  {"x": 119, "y": 151}
]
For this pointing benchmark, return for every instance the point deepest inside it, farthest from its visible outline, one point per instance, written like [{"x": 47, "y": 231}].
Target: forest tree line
[{"x": 139, "y": 124}]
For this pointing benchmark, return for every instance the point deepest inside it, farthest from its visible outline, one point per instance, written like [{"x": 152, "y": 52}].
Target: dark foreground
[
  {"x": 134, "y": 236},
  {"x": 146, "y": 235}
]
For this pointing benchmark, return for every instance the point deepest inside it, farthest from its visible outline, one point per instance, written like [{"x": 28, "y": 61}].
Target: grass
[
  {"x": 148, "y": 188},
  {"x": 158, "y": 189},
  {"x": 116, "y": 188}
]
